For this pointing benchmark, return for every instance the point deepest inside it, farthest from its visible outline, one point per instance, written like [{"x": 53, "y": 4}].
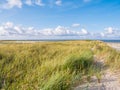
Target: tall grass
[{"x": 51, "y": 65}]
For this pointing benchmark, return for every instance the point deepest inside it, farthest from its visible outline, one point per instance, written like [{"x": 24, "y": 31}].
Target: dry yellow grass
[{"x": 51, "y": 65}]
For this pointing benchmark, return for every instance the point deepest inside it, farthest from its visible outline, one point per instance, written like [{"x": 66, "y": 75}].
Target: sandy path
[{"x": 109, "y": 80}]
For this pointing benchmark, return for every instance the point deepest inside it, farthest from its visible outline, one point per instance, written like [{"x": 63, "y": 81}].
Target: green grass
[{"x": 52, "y": 65}]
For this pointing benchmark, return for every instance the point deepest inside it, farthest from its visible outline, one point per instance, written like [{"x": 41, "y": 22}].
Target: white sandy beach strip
[{"x": 114, "y": 45}]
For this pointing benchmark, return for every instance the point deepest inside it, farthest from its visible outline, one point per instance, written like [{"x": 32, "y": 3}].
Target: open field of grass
[{"x": 52, "y": 65}]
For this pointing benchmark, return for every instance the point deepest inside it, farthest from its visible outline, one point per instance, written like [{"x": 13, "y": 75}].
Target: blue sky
[{"x": 50, "y": 19}]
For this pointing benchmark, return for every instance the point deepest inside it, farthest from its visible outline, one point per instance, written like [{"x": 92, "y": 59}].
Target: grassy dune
[{"x": 52, "y": 65}]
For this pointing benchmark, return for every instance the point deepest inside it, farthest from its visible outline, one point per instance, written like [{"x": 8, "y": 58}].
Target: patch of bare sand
[
  {"x": 109, "y": 81},
  {"x": 114, "y": 45}
]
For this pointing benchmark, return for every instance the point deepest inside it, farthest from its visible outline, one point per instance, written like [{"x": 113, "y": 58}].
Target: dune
[{"x": 109, "y": 80}]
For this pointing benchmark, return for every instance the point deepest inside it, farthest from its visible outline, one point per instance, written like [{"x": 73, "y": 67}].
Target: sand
[{"x": 114, "y": 45}]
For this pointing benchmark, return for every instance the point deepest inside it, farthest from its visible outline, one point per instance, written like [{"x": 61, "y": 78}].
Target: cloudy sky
[{"x": 59, "y": 19}]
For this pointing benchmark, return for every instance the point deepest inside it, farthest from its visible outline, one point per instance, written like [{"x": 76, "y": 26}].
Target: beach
[{"x": 115, "y": 45}]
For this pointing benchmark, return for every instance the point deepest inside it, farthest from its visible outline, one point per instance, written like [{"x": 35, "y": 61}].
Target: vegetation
[{"x": 52, "y": 65}]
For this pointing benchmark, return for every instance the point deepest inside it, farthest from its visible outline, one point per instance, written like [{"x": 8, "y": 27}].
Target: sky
[{"x": 59, "y": 19}]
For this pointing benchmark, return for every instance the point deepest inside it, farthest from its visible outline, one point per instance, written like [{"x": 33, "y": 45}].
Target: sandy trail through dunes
[{"x": 109, "y": 80}]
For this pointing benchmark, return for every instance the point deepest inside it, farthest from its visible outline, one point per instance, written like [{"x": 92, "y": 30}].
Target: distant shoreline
[{"x": 57, "y": 40}]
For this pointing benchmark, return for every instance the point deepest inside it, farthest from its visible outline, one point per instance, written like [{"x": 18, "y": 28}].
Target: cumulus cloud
[
  {"x": 39, "y": 2},
  {"x": 9, "y": 4},
  {"x": 12, "y": 3},
  {"x": 85, "y": 31},
  {"x": 111, "y": 32},
  {"x": 29, "y": 2},
  {"x": 58, "y": 2},
  {"x": 9, "y": 29},
  {"x": 63, "y": 31},
  {"x": 12, "y": 31},
  {"x": 2, "y": 31},
  {"x": 34, "y": 2},
  {"x": 75, "y": 25},
  {"x": 102, "y": 34}
]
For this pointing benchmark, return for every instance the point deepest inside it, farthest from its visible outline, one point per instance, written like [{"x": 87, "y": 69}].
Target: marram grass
[{"x": 52, "y": 65}]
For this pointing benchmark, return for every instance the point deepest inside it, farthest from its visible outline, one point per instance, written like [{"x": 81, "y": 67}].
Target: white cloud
[
  {"x": 102, "y": 34},
  {"x": 110, "y": 30},
  {"x": 12, "y": 31},
  {"x": 76, "y": 25},
  {"x": 34, "y": 2},
  {"x": 39, "y": 2},
  {"x": 9, "y": 29},
  {"x": 18, "y": 29},
  {"x": 84, "y": 31},
  {"x": 58, "y": 2},
  {"x": 8, "y": 25},
  {"x": 9, "y": 4},
  {"x": 29, "y": 2},
  {"x": 3, "y": 31},
  {"x": 61, "y": 31},
  {"x": 12, "y": 3}
]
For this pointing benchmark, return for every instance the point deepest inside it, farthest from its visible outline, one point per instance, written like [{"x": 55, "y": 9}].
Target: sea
[
  {"x": 57, "y": 40},
  {"x": 111, "y": 41}
]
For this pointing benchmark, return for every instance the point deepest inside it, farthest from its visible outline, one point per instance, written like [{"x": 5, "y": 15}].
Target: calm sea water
[
  {"x": 57, "y": 40},
  {"x": 111, "y": 41}
]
